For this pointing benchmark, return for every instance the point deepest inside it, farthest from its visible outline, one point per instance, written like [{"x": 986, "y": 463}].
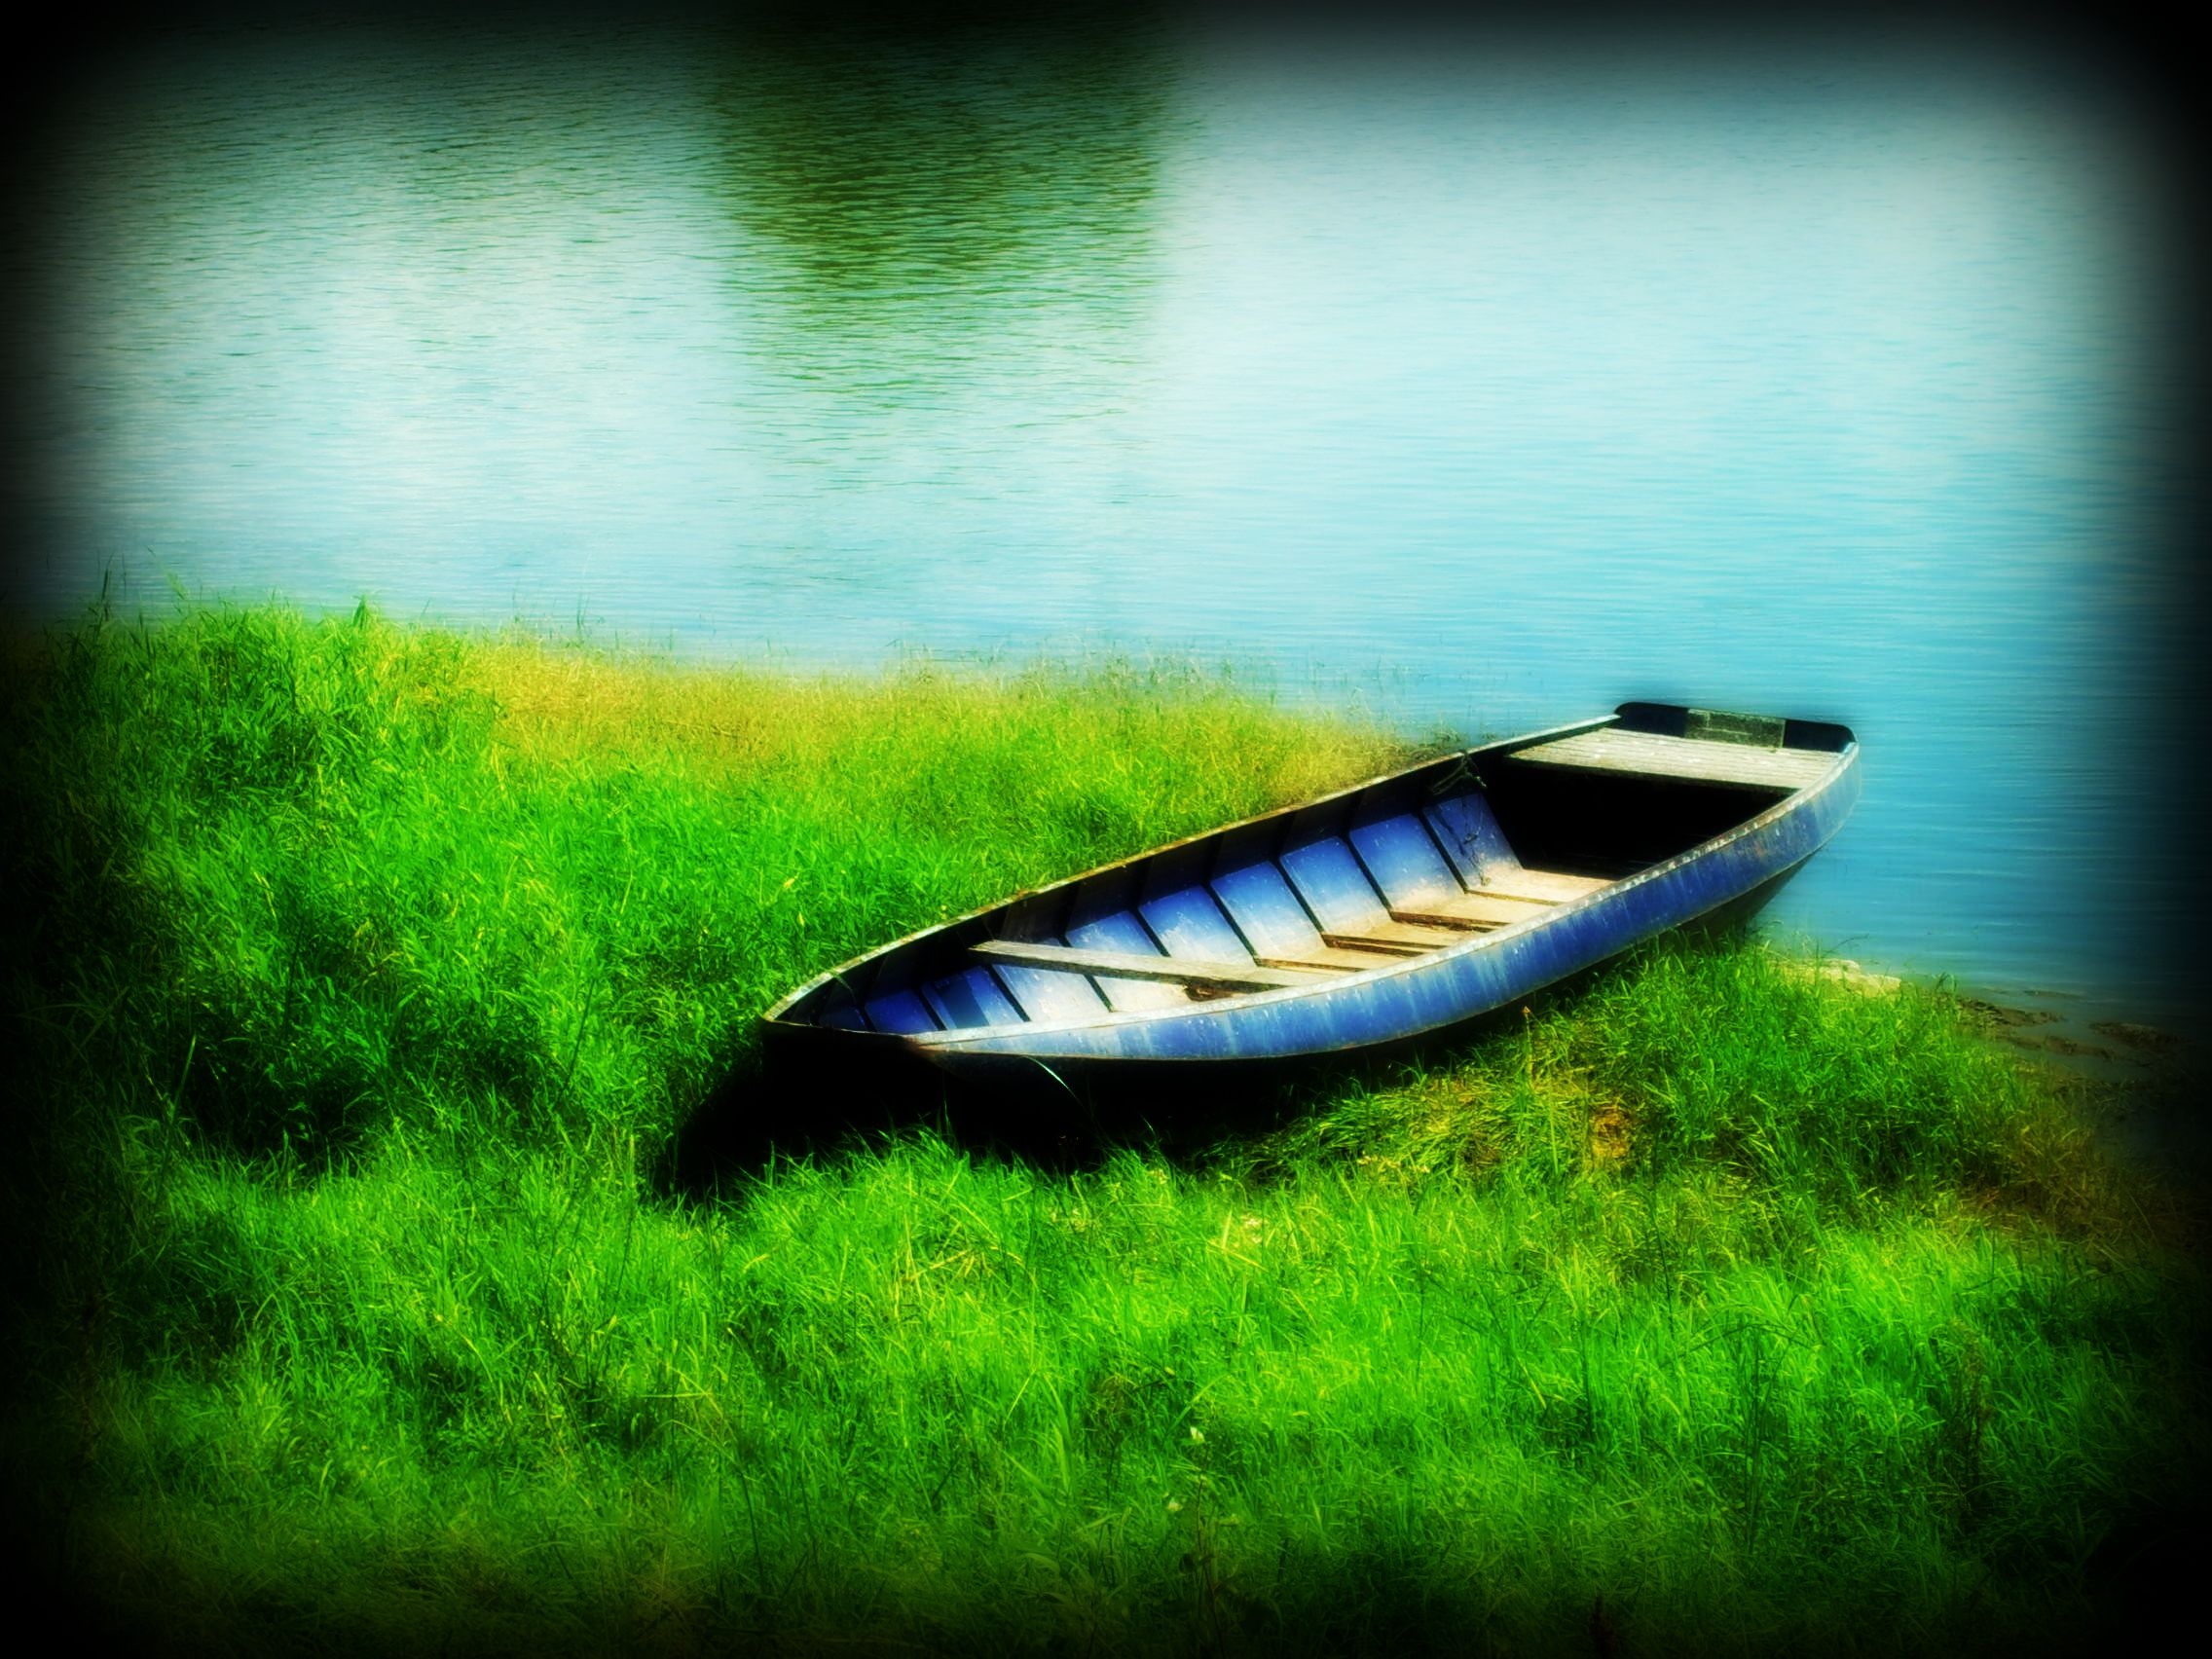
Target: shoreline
[
  {"x": 2035, "y": 1020},
  {"x": 2144, "y": 1100}
]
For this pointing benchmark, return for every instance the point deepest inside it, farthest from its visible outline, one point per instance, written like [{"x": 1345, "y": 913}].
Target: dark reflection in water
[{"x": 922, "y": 189}]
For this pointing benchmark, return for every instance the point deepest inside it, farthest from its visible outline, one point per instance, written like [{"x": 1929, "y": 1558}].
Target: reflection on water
[
  {"x": 1491, "y": 388},
  {"x": 923, "y": 193},
  {"x": 940, "y": 270}
]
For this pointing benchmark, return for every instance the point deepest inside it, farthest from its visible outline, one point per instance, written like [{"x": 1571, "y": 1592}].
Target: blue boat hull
[{"x": 991, "y": 997}]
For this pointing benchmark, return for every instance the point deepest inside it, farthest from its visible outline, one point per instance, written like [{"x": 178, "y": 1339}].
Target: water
[{"x": 1487, "y": 386}]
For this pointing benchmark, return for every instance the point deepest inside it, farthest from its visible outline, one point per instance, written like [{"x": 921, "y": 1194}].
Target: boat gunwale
[{"x": 960, "y": 1037}]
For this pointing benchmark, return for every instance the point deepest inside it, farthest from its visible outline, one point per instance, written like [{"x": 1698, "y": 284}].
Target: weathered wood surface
[
  {"x": 1408, "y": 938},
  {"x": 1739, "y": 765},
  {"x": 1515, "y": 897},
  {"x": 1470, "y": 912},
  {"x": 1125, "y": 965},
  {"x": 1538, "y": 886},
  {"x": 1336, "y": 958},
  {"x": 1722, "y": 726}
]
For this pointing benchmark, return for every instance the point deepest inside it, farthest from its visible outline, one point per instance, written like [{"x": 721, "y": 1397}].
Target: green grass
[{"x": 366, "y": 974}]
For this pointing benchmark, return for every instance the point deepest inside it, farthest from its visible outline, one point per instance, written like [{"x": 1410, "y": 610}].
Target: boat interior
[{"x": 1360, "y": 880}]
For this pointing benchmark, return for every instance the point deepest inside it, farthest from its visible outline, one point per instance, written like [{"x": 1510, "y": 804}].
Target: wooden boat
[{"x": 1388, "y": 912}]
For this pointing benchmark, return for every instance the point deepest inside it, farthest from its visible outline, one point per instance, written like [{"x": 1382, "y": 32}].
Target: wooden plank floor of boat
[
  {"x": 1537, "y": 885},
  {"x": 1403, "y": 938},
  {"x": 1499, "y": 903},
  {"x": 1127, "y": 965},
  {"x": 1508, "y": 895}
]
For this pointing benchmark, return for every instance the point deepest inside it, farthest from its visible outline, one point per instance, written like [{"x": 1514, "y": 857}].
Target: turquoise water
[{"x": 1486, "y": 387}]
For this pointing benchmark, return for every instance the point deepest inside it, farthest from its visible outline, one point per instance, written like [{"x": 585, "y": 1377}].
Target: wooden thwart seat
[
  {"x": 1171, "y": 970},
  {"x": 1741, "y": 766}
]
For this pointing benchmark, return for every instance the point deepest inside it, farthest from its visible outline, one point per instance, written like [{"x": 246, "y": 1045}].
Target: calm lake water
[{"x": 1482, "y": 388}]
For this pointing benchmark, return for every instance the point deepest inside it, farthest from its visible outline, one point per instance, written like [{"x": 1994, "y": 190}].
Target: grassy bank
[{"x": 365, "y": 975}]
